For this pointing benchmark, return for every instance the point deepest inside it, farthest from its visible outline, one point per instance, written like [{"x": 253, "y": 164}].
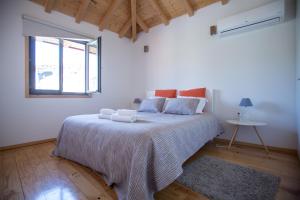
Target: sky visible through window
[
  {"x": 74, "y": 77},
  {"x": 47, "y": 63},
  {"x": 73, "y": 67},
  {"x": 93, "y": 69}
]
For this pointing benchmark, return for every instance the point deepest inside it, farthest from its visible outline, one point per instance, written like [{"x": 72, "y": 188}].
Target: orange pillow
[
  {"x": 166, "y": 93},
  {"x": 198, "y": 92}
]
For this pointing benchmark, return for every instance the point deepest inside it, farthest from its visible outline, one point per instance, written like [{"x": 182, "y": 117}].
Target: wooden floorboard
[
  {"x": 10, "y": 185},
  {"x": 33, "y": 173}
]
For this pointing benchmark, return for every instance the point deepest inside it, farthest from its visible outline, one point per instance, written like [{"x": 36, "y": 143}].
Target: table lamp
[{"x": 244, "y": 104}]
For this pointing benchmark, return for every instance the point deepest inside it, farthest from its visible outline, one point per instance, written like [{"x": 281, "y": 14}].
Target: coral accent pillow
[
  {"x": 166, "y": 93},
  {"x": 198, "y": 92}
]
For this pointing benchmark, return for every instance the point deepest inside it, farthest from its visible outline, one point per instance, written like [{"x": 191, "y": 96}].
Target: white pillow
[{"x": 201, "y": 105}]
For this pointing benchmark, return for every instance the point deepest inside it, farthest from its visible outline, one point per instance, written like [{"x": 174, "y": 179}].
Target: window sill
[{"x": 58, "y": 96}]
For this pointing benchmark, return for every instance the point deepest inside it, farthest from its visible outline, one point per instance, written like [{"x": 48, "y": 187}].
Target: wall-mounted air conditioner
[{"x": 272, "y": 13}]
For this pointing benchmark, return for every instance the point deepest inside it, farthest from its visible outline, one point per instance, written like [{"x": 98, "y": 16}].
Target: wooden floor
[{"x": 32, "y": 173}]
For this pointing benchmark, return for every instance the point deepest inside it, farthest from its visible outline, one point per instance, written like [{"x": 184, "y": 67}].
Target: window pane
[
  {"x": 46, "y": 63},
  {"x": 73, "y": 67},
  {"x": 93, "y": 69}
]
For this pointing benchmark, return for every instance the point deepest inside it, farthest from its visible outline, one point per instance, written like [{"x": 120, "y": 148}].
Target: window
[{"x": 60, "y": 66}]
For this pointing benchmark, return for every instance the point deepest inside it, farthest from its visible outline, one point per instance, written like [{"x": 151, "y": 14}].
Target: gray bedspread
[{"x": 138, "y": 158}]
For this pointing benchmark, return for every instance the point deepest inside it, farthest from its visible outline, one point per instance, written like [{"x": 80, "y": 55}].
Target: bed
[{"x": 138, "y": 158}]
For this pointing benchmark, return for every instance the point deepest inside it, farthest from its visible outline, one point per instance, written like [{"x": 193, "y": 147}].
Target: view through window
[
  {"x": 73, "y": 67},
  {"x": 64, "y": 66},
  {"x": 93, "y": 69},
  {"x": 46, "y": 63}
]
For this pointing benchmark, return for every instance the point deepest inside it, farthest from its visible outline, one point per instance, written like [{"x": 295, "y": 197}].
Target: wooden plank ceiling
[{"x": 125, "y": 17}]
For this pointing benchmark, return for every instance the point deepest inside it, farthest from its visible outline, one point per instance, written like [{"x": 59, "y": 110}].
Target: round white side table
[{"x": 238, "y": 124}]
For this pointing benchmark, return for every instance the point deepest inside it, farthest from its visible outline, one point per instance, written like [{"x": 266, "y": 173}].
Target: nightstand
[{"x": 238, "y": 124}]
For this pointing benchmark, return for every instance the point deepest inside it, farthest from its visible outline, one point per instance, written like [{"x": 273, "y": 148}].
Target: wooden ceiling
[{"x": 125, "y": 17}]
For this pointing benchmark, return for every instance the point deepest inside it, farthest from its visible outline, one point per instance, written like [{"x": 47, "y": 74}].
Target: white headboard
[
  {"x": 150, "y": 93},
  {"x": 213, "y": 100}
]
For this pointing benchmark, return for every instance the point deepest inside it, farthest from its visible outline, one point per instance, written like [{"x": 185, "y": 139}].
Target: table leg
[
  {"x": 266, "y": 148},
  {"x": 233, "y": 136}
]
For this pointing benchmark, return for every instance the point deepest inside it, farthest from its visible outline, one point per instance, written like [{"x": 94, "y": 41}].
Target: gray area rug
[{"x": 221, "y": 180}]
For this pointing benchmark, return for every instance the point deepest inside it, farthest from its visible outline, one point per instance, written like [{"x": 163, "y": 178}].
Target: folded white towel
[
  {"x": 102, "y": 116},
  {"x": 126, "y": 112},
  {"x": 123, "y": 118},
  {"x": 107, "y": 111}
]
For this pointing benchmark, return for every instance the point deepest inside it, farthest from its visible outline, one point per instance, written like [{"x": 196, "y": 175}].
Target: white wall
[
  {"x": 23, "y": 120},
  {"x": 259, "y": 64}
]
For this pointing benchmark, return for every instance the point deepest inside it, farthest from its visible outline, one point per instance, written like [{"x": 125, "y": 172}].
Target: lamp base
[{"x": 244, "y": 114}]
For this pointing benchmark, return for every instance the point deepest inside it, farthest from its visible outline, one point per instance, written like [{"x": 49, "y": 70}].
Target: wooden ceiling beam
[
  {"x": 142, "y": 24},
  {"x": 155, "y": 9},
  {"x": 188, "y": 7},
  {"x": 125, "y": 28},
  {"x": 82, "y": 10},
  {"x": 224, "y": 2},
  {"x": 104, "y": 20},
  {"x": 158, "y": 9},
  {"x": 49, "y": 4},
  {"x": 133, "y": 19}
]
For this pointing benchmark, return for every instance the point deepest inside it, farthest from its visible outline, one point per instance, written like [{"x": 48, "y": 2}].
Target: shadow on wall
[
  {"x": 218, "y": 106},
  {"x": 268, "y": 107},
  {"x": 256, "y": 112},
  {"x": 260, "y": 112},
  {"x": 221, "y": 106}
]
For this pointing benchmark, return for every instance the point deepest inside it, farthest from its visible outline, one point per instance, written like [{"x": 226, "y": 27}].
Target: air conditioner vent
[{"x": 272, "y": 13}]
